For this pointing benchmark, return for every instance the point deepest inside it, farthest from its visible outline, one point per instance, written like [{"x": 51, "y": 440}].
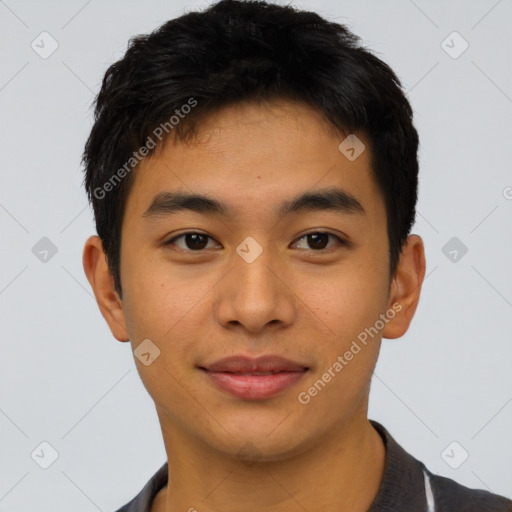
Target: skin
[{"x": 294, "y": 300}]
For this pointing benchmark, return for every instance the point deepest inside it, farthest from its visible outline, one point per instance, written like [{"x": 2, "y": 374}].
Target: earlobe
[
  {"x": 406, "y": 287},
  {"x": 102, "y": 282}
]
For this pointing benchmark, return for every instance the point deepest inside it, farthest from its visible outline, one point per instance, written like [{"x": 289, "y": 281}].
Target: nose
[{"x": 255, "y": 295}]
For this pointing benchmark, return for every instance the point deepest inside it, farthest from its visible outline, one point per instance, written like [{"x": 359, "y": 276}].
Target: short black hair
[{"x": 240, "y": 51}]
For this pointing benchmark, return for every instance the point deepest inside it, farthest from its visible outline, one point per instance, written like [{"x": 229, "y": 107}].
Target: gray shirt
[{"x": 406, "y": 486}]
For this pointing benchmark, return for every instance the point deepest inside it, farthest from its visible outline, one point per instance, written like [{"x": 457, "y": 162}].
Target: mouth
[{"x": 254, "y": 379}]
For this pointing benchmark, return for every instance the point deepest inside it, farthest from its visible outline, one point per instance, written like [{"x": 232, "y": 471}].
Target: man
[{"x": 253, "y": 173}]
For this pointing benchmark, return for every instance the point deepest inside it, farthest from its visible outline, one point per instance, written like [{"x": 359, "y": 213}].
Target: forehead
[{"x": 256, "y": 156}]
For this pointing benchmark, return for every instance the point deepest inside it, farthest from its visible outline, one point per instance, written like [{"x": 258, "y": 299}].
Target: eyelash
[{"x": 340, "y": 241}]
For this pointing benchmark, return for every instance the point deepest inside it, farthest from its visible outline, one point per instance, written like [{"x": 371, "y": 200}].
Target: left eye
[
  {"x": 319, "y": 239},
  {"x": 198, "y": 241}
]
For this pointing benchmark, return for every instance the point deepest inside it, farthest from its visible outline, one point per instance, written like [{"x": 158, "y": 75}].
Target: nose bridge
[
  {"x": 252, "y": 293},
  {"x": 254, "y": 281}
]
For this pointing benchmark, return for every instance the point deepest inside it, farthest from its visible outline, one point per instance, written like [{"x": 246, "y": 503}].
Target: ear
[
  {"x": 102, "y": 282},
  {"x": 406, "y": 287}
]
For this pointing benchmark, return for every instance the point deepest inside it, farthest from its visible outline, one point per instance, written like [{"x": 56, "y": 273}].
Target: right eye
[{"x": 193, "y": 242}]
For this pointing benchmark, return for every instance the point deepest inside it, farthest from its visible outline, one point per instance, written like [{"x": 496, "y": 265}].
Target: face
[{"x": 258, "y": 275}]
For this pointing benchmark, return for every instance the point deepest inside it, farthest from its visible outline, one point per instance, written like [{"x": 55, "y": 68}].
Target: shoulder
[
  {"x": 408, "y": 485},
  {"x": 143, "y": 502},
  {"x": 450, "y": 496}
]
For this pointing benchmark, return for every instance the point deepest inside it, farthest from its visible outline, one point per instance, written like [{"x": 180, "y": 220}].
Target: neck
[{"x": 342, "y": 472}]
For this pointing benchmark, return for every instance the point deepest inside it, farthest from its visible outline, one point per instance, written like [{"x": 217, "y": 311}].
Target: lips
[
  {"x": 260, "y": 365},
  {"x": 254, "y": 378}
]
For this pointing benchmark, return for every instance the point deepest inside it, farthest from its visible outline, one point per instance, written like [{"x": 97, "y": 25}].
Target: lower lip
[{"x": 254, "y": 387}]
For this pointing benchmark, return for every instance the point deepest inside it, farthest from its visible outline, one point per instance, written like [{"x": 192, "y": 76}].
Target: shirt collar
[{"x": 401, "y": 487}]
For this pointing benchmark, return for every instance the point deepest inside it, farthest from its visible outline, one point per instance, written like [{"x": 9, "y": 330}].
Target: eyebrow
[{"x": 329, "y": 199}]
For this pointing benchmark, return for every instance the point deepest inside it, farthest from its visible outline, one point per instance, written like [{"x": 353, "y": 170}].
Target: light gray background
[{"x": 65, "y": 380}]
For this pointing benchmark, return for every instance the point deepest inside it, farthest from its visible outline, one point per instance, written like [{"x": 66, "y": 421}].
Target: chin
[{"x": 265, "y": 441}]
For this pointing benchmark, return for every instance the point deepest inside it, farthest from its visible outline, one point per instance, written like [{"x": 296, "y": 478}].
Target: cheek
[
  {"x": 161, "y": 299},
  {"x": 347, "y": 348},
  {"x": 164, "y": 311},
  {"x": 347, "y": 300}
]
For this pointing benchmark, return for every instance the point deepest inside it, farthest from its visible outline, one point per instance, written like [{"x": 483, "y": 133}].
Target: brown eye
[
  {"x": 192, "y": 241},
  {"x": 318, "y": 241},
  {"x": 197, "y": 242}
]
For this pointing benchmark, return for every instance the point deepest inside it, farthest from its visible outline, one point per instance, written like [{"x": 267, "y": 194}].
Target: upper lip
[{"x": 245, "y": 364}]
